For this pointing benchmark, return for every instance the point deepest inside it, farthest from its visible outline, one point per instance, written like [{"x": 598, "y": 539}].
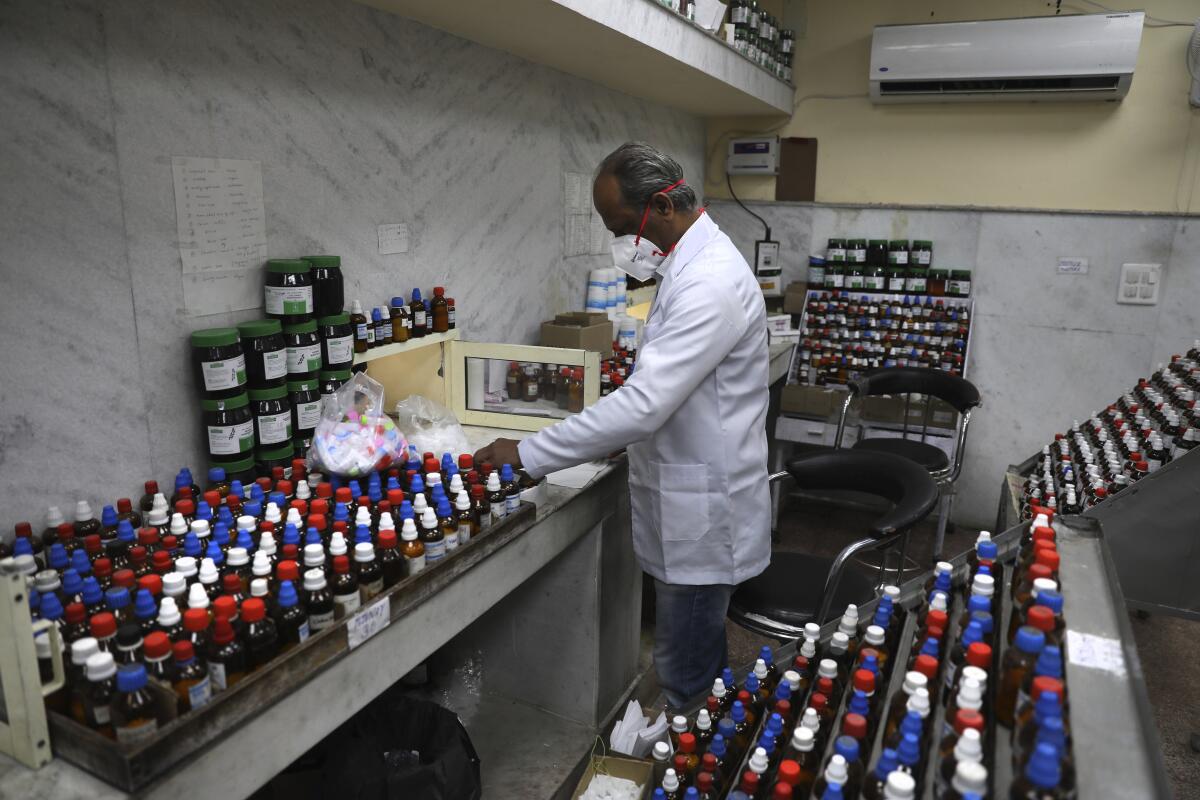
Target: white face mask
[{"x": 637, "y": 258}]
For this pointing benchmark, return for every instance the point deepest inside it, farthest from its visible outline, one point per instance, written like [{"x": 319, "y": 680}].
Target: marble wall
[
  {"x": 1047, "y": 348},
  {"x": 358, "y": 118}
]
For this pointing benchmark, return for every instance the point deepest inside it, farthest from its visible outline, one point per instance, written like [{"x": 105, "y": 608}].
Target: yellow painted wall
[{"x": 1141, "y": 154}]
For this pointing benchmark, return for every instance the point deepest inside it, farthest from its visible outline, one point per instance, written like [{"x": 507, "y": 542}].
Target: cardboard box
[
  {"x": 812, "y": 401},
  {"x": 632, "y": 769},
  {"x": 580, "y": 330},
  {"x": 794, "y": 297},
  {"x": 779, "y": 323}
]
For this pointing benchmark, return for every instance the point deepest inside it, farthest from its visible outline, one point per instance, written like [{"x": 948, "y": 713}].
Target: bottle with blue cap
[
  {"x": 118, "y": 602},
  {"x": 133, "y": 708},
  {"x": 836, "y": 774},
  {"x": 145, "y": 611},
  {"x": 876, "y": 780},
  {"x": 1041, "y": 779},
  {"x": 1053, "y": 732},
  {"x": 512, "y": 491},
  {"x": 447, "y": 523},
  {"x": 1018, "y": 661}
]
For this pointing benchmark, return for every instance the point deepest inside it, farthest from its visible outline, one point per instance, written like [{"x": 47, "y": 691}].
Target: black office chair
[
  {"x": 959, "y": 393},
  {"x": 797, "y": 587}
]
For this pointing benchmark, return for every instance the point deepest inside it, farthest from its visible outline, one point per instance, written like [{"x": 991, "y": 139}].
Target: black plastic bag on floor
[{"x": 400, "y": 748}]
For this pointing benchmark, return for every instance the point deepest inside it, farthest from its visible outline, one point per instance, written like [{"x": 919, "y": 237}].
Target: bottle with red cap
[
  {"x": 260, "y": 636},
  {"x": 156, "y": 654},
  {"x": 103, "y": 627},
  {"x": 192, "y": 685},
  {"x": 75, "y": 623},
  {"x": 150, "y": 488},
  {"x": 346, "y": 597},
  {"x": 196, "y": 629},
  {"x": 226, "y": 656}
]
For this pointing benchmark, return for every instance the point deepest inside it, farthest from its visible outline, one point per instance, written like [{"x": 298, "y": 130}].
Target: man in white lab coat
[{"x": 692, "y": 415}]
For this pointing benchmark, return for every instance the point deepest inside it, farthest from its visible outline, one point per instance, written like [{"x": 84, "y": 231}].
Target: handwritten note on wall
[
  {"x": 583, "y": 228},
  {"x": 222, "y": 232}
]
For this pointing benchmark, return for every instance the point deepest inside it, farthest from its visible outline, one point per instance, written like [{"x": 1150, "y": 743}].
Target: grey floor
[{"x": 1169, "y": 648}]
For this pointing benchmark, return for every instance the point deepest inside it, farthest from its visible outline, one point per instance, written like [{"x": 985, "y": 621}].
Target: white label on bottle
[
  {"x": 512, "y": 503},
  {"x": 385, "y": 332},
  {"x": 319, "y": 622},
  {"x": 368, "y": 622},
  {"x": 896, "y": 284},
  {"x": 834, "y": 280},
  {"x": 419, "y": 319},
  {"x": 370, "y": 334},
  {"x": 227, "y": 440},
  {"x": 302, "y": 632},
  {"x": 200, "y": 692},
  {"x": 923, "y": 257},
  {"x": 435, "y": 551},
  {"x": 339, "y": 350},
  {"x": 349, "y": 603},
  {"x": 274, "y": 428},
  {"x": 101, "y": 715},
  {"x": 216, "y": 672},
  {"x": 873, "y": 282},
  {"x": 228, "y": 373},
  {"x": 369, "y": 590},
  {"x": 498, "y": 511},
  {"x": 360, "y": 331},
  {"x": 294, "y": 300},
  {"x": 451, "y": 540},
  {"x": 857, "y": 256},
  {"x": 464, "y": 533},
  {"x": 275, "y": 364},
  {"x": 306, "y": 358},
  {"x": 415, "y": 565},
  {"x": 137, "y": 733},
  {"x": 308, "y": 415}
]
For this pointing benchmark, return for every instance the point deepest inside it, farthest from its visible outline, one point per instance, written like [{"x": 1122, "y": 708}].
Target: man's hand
[{"x": 501, "y": 451}]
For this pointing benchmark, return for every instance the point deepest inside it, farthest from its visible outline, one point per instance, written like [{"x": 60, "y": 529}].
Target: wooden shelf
[
  {"x": 427, "y": 340},
  {"x": 634, "y": 46}
]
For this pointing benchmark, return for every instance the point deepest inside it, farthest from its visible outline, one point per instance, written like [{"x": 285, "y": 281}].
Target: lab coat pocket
[{"x": 683, "y": 489}]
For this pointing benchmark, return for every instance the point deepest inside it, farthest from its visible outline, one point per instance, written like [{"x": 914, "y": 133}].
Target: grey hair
[{"x": 642, "y": 171}]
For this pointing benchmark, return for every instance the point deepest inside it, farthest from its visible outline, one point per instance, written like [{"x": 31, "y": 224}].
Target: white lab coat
[{"x": 693, "y": 416}]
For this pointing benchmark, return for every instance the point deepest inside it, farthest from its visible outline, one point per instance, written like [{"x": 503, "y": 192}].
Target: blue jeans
[{"x": 689, "y": 638}]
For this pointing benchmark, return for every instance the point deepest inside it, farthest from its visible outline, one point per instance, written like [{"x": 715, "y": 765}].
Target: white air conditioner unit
[{"x": 1077, "y": 57}]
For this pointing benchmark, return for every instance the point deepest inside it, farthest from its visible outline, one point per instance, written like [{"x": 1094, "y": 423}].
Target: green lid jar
[
  {"x": 303, "y": 349},
  {"x": 856, "y": 251},
  {"x": 854, "y": 277},
  {"x": 266, "y": 361},
  {"x": 877, "y": 252},
  {"x": 329, "y": 295},
  {"x": 921, "y": 253},
  {"x": 875, "y": 279},
  {"x": 272, "y": 416},
  {"x": 230, "y": 425},
  {"x": 959, "y": 284},
  {"x": 337, "y": 341},
  {"x": 916, "y": 279},
  {"x": 897, "y": 254},
  {"x": 332, "y": 380},
  {"x": 305, "y": 396},
  {"x": 895, "y": 279},
  {"x": 218, "y": 362},
  {"x": 239, "y": 469},
  {"x": 835, "y": 276},
  {"x": 267, "y": 458},
  {"x": 288, "y": 293},
  {"x": 835, "y": 252}
]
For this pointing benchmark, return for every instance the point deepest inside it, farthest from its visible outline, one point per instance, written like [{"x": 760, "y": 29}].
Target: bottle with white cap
[
  {"x": 802, "y": 750},
  {"x": 54, "y": 518},
  {"x": 970, "y": 779},
  {"x": 320, "y": 604},
  {"x": 462, "y": 514},
  {"x": 431, "y": 537},
  {"x": 679, "y": 726},
  {"x": 314, "y": 557},
  {"x": 805, "y": 662},
  {"x": 662, "y": 762},
  {"x": 197, "y": 597},
  {"x": 496, "y": 495},
  {"x": 178, "y": 526},
  {"x": 159, "y": 514},
  {"x": 76, "y": 675},
  {"x": 370, "y": 574},
  {"x": 966, "y": 748},
  {"x": 98, "y": 695},
  {"x": 913, "y": 681},
  {"x": 836, "y": 772},
  {"x": 900, "y": 786},
  {"x": 670, "y": 785},
  {"x": 85, "y": 521},
  {"x": 188, "y": 568},
  {"x": 411, "y": 548},
  {"x": 169, "y": 620},
  {"x": 848, "y": 626},
  {"x": 209, "y": 579}
]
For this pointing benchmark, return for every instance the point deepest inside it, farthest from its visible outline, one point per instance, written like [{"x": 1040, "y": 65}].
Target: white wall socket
[{"x": 1139, "y": 284}]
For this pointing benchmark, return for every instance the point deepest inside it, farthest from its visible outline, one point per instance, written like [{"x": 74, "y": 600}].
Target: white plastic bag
[
  {"x": 355, "y": 436},
  {"x": 430, "y": 427}
]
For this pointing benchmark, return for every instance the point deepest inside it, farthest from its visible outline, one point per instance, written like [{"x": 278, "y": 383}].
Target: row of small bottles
[
  {"x": 400, "y": 320},
  {"x": 1146, "y": 427},
  {"x": 223, "y": 586},
  {"x": 563, "y": 386},
  {"x": 843, "y": 335},
  {"x": 780, "y": 718}
]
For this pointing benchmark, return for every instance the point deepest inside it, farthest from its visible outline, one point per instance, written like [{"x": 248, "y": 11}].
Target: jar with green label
[
  {"x": 266, "y": 459},
  {"x": 337, "y": 341},
  {"x": 241, "y": 469},
  {"x": 272, "y": 416},
  {"x": 959, "y": 284},
  {"x": 218, "y": 361},
  {"x": 856, "y": 251},
  {"x": 895, "y": 279},
  {"x": 329, "y": 296},
  {"x": 938, "y": 280},
  {"x": 303, "y": 349},
  {"x": 875, "y": 279},
  {"x": 230, "y": 426},
  {"x": 835, "y": 276},
  {"x": 897, "y": 254},
  {"x": 332, "y": 380},
  {"x": 305, "y": 396},
  {"x": 854, "y": 276},
  {"x": 916, "y": 279},
  {"x": 877, "y": 250},
  {"x": 835, "y": 252},
  {"x": 921, "y": 253},
  {"x": 288, "y": 293},
  {"x": 266, "y": 355}
]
